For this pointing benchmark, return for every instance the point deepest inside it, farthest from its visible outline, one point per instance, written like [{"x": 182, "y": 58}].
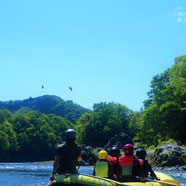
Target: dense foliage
[
  {"x": 46, "y": 104},
  {"x": 27, "y": 135},
  {"x": 164, "y": 115},
  {"x": 97, "y": 127},
  {"x": 31, "y": 136}
]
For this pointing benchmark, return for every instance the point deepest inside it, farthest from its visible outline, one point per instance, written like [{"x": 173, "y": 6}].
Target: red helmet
[{"x": 128, "y": 149}]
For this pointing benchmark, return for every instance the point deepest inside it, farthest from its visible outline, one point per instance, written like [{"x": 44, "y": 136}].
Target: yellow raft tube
[{"x": 89, "y": 180}]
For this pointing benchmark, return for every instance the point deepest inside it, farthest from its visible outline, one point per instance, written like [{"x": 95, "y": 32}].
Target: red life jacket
[
  {"x": 126, "y": 163},
  {"x": 140, "y": 162},
  {"x": 126, "y": 160},
  {"x": 112, "y": 160}
]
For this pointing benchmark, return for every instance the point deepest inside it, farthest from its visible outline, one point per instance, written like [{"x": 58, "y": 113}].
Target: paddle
[
  {"x": 175, "y": 182},
  {"x": 167, "y": 182},
  {"x": 48, "y": 183}
]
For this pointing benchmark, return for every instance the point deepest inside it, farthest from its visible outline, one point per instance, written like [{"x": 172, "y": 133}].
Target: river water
[{"x": 37, "y": 174}]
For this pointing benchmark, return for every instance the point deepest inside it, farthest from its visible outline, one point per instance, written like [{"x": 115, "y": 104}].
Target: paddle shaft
[{"x": 167, "y": 182}]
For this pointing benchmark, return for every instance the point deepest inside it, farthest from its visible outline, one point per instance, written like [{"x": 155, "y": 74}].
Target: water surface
[{"x": 37, "y": 174}]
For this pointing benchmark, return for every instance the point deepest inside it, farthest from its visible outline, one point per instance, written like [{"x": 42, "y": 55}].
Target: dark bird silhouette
[
  {"x": 70, "y": 88},
  {"x": 42, "y": 86}
]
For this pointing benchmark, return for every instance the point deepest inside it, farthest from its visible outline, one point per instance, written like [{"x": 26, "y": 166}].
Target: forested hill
[{"x": 46, "y": 104}]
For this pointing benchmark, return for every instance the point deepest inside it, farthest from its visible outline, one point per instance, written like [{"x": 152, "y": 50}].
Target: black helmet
[
  {"x": 114, "y": 152},
  {"x": 70, "y": 134},
  {"x": 141, "y": 153}
]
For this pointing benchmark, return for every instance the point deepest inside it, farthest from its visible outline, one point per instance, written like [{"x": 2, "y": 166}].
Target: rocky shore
[{"x": 168, "y": 156}]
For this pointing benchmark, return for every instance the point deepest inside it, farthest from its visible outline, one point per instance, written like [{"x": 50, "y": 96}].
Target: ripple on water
[{"x": 37, "y": 174}]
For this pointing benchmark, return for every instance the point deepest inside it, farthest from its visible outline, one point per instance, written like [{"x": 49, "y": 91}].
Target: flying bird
[
  {"x": 42, "y": 86},
  {"x": 70, "y": 88}
]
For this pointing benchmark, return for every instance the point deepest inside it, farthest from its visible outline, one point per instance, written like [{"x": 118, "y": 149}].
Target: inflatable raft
[{"x": 83, "y": 179}]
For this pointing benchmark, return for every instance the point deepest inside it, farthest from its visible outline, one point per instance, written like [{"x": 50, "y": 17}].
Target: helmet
[
  {"x": 70, "y": 134},
  {"x": 114, "y": 152},
  {"x": 141, "y": 153},
  {"x": 102, "y": 155},
  {"x": 128, "y": 149}
]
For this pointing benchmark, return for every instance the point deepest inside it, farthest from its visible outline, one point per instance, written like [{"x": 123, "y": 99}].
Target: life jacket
[
  {"x": 69, "y": 154},
  {"x": 126, "y": 163},
  {"x": 101, "y": 169},
  {"x": 112, "y": 160},
  {"x": 143, "y": 168}
]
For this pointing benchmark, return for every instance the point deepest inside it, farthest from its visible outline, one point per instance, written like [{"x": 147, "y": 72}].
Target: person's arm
[
  {"x": 93, "y": 172},
  {"x": 136, "y": 168},
  {"x": 55, "y": 167},
  {"x": 110, "y": 171},
  {"x": 151, "y": 171}
]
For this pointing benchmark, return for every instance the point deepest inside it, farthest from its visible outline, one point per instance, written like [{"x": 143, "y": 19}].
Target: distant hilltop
[{"x": 46, "y": 104}]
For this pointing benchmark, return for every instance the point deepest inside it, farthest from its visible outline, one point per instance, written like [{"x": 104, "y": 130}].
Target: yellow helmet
[{"x": 102, "y": 155}]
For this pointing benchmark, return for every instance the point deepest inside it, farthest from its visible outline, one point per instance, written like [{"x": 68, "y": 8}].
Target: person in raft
[
  {"x": 102, "y": 167},
  {"x": 114, "y": 160},
  {"x": 145, "y": 167},
  {"x": 67, "y": 155},
  {"x": 129, "y": 165}
]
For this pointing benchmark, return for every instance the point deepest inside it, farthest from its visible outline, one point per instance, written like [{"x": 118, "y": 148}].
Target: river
[{"x": 37, "y": 174}]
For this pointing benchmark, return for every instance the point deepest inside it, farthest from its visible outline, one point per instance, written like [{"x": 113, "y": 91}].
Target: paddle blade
[
  {"x": 173, "y": 182},
  {"x": 169, "y": 182}
]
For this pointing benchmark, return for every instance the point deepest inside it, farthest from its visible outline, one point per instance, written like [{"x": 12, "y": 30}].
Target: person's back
[
  {"x": 129, "y": 164},
  {"x": 69, "y": 153},
  {"x": 114, "y": 160},
  {"x": 145, "y": 167},
  {"x": 102, "y": 167}
]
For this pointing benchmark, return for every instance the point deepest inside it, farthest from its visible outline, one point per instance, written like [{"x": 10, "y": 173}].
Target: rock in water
[
  {"x": 168, "y": 155},
  {"x": 119, "y": 141}
]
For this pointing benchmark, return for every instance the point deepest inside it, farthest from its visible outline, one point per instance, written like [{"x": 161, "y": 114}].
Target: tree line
[
  {"x": 34, "y": 135},
  {"x": 46, "y": 104},
  {"x": 30, "y": 137}
]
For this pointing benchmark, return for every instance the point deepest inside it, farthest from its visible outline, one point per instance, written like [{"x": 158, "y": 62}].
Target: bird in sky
[
  {"x": 42, "y": 86},
  {"x": 70, "y": 88}
]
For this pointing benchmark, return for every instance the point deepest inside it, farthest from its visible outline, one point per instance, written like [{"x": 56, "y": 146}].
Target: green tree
[
  {"x": 164, "y": 115},
  {"x": 107, "y": 119}
]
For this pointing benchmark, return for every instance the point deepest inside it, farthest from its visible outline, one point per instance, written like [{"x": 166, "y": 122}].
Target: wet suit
[
  {"x": 115, "y": 164},
  {"x": 145, "y": 169},
  {"x": 69, "y": 153}
]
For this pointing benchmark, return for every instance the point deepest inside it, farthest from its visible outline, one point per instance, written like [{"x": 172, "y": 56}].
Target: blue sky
[{"x": 107, "y": 50}]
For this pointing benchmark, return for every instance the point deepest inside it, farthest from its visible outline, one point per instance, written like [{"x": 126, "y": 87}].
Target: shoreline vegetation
[{"x": 31, "y": 129}]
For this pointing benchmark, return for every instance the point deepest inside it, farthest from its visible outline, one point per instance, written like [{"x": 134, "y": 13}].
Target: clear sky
[{"x": 107, "y": 50}]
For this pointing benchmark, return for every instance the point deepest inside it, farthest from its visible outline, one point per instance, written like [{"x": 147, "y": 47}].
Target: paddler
[
  {"x": 67, "y": 155},
  {"x": 114, "y": 160},
  {"x": 129, "y": 165},
  {"x": 102, "y": 167},
  {"x": 145, "y": 167}
]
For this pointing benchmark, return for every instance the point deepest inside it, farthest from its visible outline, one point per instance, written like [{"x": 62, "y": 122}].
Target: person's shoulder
[
  {"x": 77, "y": 146},
  {"x": 61, "y": 145},
  {"x": 110, "y": 159},
  {"x": 121, "y": 157},
  {"x": 146, "y": 163},
  {"x": 135, "y": 158}
]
